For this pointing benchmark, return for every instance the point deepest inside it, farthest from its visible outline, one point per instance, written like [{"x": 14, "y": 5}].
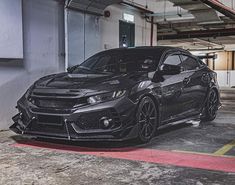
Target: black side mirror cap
[
  {"x": 167, "y": 69},
  {"x": 69, "y": 69}
]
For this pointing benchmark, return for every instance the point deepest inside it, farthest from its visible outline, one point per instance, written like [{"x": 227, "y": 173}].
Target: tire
[
  {"x": 211, "y": 107},
  {"x": 146, "y": 117}
]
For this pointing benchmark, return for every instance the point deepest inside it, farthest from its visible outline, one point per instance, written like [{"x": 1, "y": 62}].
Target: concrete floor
[{"x": 39, "y": 165}]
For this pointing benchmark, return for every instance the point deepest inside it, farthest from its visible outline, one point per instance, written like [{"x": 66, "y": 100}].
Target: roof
[{"x": 149, "y": 48}]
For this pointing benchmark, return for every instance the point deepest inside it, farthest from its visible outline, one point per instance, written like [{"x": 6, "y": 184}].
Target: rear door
[
  {"x": 171, "y": 87},
  {"x": 194, "y": 88}
]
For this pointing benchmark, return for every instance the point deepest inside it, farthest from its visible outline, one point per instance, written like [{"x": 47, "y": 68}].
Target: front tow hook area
[{"x": 19, "y": 126}]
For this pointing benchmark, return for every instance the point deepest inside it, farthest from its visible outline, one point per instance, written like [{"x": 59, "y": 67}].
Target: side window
[
  {"x": 137, "y": 62},
  {"x": 173, "y": 60},
  {"x": 201, "y": 63},
  {"x": 189, "y": 63}
]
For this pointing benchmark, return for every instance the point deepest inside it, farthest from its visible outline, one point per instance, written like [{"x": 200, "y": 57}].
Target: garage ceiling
[
  {"x": 91, "y": 6},
  {"x": 196, "y": 24},
  {"x": 199, "y": 10},
  {"x": 209, "y": 24}
]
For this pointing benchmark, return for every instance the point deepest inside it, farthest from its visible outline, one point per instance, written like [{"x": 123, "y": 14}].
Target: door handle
[{"x": 186, "y": 81}]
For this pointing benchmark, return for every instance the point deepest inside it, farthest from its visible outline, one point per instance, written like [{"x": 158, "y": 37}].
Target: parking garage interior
[{"x": 39, "y": 38}]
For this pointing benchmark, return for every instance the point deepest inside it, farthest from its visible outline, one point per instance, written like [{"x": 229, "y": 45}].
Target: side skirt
[{"x": 186, "y": 120}]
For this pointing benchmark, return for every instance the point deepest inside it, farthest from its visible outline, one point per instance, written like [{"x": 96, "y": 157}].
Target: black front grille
[
  {"x": 55, "y": 103},
  {"x": 54, "y": 94},
  {"x": 59, "y": 103}
]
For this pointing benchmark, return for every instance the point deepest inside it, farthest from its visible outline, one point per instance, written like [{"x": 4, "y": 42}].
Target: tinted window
[
  {"x": 118, "y": 63},
  {"x": 173, "y": 60},
  {"x": 201, "y": 63},
  {"x": 135, "y": 62},
  {"x": 98, "y": 62},
  {"x": 189, "y": 63}
]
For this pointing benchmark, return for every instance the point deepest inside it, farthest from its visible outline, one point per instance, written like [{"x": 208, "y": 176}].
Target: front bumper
[{"x": 82, "y": 124}]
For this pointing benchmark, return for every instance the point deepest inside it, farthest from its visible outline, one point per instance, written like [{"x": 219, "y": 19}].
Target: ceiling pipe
[
  {"x": 233, "y": 60},
  {"x": 94, "y": 7},
  {"x": 207, "y": 49},
  {"x": 218, "y": 6},
  {"x": 151, "y": 34},
  {"x": 137, "y": 6},
  {"x": 199, "y": 34},
  {"x": 208, "y": 42}
]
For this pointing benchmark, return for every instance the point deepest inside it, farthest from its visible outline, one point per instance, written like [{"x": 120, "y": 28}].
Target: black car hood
[{"x": 97, "y": 82}]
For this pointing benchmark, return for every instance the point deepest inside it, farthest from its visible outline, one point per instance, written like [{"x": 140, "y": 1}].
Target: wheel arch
[
  {"x": 216, "y": 90},
  {"x": 205, "y": 116},
  {"x": 213, "y": 87},
  {"x": 156, "y": 103}
]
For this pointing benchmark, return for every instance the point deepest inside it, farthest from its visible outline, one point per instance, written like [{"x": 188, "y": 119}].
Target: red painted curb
[{"x": 181, "y": 159}]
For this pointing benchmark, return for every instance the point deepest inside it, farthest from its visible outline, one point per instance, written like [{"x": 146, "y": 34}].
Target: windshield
[{"x": 116, "y": 63}]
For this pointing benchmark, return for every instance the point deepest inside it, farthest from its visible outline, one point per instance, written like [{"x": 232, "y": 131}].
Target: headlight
[{"x": 106, "y": 97}]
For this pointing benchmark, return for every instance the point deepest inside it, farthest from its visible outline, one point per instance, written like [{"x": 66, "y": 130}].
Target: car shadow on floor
[{"x": 98, "y": 145}]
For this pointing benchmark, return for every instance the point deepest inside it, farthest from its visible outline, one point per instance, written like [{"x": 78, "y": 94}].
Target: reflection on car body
[{"x": 119, "y": 94}]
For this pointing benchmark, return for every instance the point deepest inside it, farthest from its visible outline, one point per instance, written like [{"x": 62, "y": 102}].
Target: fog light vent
[{"x": 105, "y": 122}]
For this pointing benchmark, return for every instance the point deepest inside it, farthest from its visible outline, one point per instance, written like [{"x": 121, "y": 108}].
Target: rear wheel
[
  {"x": 211, "y": 106},
  {"x": 146, "y": 119}
]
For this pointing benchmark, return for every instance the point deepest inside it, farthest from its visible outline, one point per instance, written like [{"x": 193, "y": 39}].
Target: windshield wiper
[{"x": 91, "y": 70}]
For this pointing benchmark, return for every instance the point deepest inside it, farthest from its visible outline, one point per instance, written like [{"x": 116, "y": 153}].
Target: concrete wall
[
  {"x": 110, "y": 27},
  {"x": 229, "y": 3},
  {"x": 43, "y": 54},
  {"x": 224, "y": 61},
  {"x": 102, "y": 33},
  {"x": 11, "y": 37},
  {"x": 84, "y": 37},
  {"x": 226, "y": 78}
]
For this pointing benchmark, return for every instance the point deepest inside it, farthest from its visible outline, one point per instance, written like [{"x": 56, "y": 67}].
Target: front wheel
[
  {"x": 211, "y": 107},
  {"x": 146, "y": 119}
]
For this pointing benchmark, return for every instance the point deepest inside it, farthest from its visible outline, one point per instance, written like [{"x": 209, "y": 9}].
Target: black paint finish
[{"x": 109, "y": 86}]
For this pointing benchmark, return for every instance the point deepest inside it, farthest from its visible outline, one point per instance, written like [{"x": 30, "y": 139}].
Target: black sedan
[{"x": 119, "y": 94}]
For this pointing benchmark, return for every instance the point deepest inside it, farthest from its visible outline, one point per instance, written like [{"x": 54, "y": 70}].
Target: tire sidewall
[
  {"x": 208, "y": 116},
  {"x": 139, "y": 109}
]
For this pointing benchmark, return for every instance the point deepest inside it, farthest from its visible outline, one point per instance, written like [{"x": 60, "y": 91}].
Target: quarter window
[
  {"x": 189, "y": 63},
  {"x": 173, "y": 60}
]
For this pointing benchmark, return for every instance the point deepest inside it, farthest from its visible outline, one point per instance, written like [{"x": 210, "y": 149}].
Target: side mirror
[
  {"x": 69, "y": 69},
  {"x": 167, "y": 69}
]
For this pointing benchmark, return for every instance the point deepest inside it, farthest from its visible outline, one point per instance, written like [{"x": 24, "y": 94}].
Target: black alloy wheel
[
  {"x": 211, "y": 106},
  {"x": 146, "y": 119}
]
